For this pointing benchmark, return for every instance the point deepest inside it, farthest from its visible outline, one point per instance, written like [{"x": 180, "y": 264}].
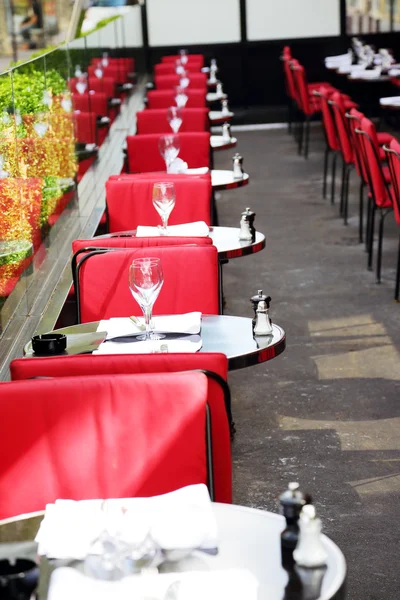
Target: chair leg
[
  {"x": 380, "y": 241},
  {"x": 361, "y": 213},
  {"x": 369, "y": 210},
  {"x": 301, "y": 135},
  {"x": 290, "y": 115},
  {"x": 333, "y": 182},
  {"x": 371, "y": 237},
  {"x": 346, "y": 194},
  {"x": 397, "y": 288},
  {"x": 307, "y": 140},
  {"x": 342, "y": 188},
  {"x": 325, "y": 177}
]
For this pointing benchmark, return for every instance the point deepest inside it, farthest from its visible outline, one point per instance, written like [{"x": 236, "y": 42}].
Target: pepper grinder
[
  {"x": 309, "y": 552},
  {"x": 225, "y": 107},
  {"x": 263, "y": 325},
  {"x": 255, "y": 300},
  {"x": 247, "y": 229},
  {"x": 291, "y": 504},
  {"x": 226, "y": 132},
  {"x": 237, "y": 168}
]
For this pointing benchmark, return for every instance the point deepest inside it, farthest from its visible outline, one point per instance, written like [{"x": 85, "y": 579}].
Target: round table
[
  {"x": 224, "y": 180},
  {"x": 217, "y": 117},
  {"x": 218, "y": 142},
  {"x": 233, "y": 336},
  {"x": 248, "y": 539},
  {"x": 226, "y": 240}
]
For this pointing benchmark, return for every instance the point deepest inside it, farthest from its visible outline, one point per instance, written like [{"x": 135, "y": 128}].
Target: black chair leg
[
  {"x": 379, "y": 255},
  {"x": 326, "y": 163},
  {"x": 342, "y": 188},
  {"x": 307, "y": 140},
  {"x": 371, "y": 237},
  {"x": 301, "y": 135},
  {"x": 397, "y": 288},
  {"x": 333, "y": 182},
  {"x": 369, "y": 210},
  {"x": 290, "y": 115},
  {"x": 361, "y": 213}
]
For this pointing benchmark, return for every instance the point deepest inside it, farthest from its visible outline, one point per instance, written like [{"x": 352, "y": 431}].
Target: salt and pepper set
[
  {"x": 226, "y": 132},
  {"x": 303, "y": 554},
  {"x": 213, "y": 72},
  {"x": 247, "y": 229},
  {"x": 237, "y": 166},
  {"x": 225, "y": 108}
]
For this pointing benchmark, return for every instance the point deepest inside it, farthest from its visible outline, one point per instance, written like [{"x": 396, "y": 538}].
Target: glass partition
[{"x": 55, "y": 113}]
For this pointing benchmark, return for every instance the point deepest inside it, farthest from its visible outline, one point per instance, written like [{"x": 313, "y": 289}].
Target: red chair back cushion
[
  {"x": 156, "y": 120},
  {"x": 166, "y": 98},
  {"x": 129, "y": 201},
  {"x": 190, "y": 282},
  {"x": 94, "y": 102},
  {"x": 394, "y": 145},
  {"x": 87, "y": 364},
  {"x": 169, "y": 68},
  {"x": 328, "y": 120},
  {"x": 373, "y": 164},
  {"x": 167, "y": 82},
  {"x": 106, "y": 436},
  {"x": 144, "y": 155},
  {"x": 342, "y": 128},
  {"x": 192, "y": 58}
]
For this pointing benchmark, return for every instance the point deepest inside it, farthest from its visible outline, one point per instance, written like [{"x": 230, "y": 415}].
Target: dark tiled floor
[{"x": 327, "y": 411}]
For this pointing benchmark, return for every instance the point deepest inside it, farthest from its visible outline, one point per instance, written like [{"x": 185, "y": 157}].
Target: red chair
[
  {"x": 116, "y": 72},
  {"x": 144, "y": 156},
  {"x": 192, "y": 58},
  {"x": 168, "y": 82},
  {"x": 87, "y": 128},
  {"x": 169, "y": 68},
  {"x": 95, "y": 102},
  {"x": 166, "y": 98},
  {"x": 155, "y": 120},
  {"x": 108, "y": 436},
  {"x": 105, "y": 85},
  {"x": 393, "y": 154},
  {"x": 218, "y": 397},
  {"x": 379, "y": 189},
  {"x": 331, "y": 138},
  {"x": 129, "y": 201},
  {"x": 191, "y": 282}
]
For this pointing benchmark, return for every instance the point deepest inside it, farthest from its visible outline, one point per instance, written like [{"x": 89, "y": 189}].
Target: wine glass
[
  {"x": 145, "y": 282},
  {"x": 164, "y": 202},
  {"x": 174, "y": 116},
  {"x": 183, "y": 56},
  {"x": 181, "y": 97},
  {"x": 169, "y": 147},
  {"x": 179, "y": 68}
]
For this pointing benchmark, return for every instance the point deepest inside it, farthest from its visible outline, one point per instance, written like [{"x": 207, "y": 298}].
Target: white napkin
[
  {"x": 195, "y": 229},
  {"x": 235, "y": 584},
  {"x": 338, "y": 58},
  {"x": 185, "y": 323},
  {"x": 390, "y": 101},
  {"x": 183, "y": 519},
  {"x": 394, "y": 72},
  {"x": 177, "y": 166},
  {"x": 199, "y": 171},
  {"x": 150, "y": 347},
  {"x": 372, "y": 74}
]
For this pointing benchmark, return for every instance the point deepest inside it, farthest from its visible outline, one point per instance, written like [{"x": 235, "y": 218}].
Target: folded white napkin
[
  {"x": 185, "y": 323},
  {"x": 338, "y": 57},
  {"x": 151, "y": 347},
  {"x": 183, "y": 519},
  {"x": 199, "y": 171},
  {"x": 235, "y": 584},
  {"x": 394, "y": 72},
  {"x": 390, "y": 101},
  {"x": 177, "y": 166},
  {"x": 363, "y": 74},
  {"x": 195, "y": 229}
]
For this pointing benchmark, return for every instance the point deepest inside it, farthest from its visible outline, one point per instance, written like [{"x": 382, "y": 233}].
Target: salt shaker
[
  {"x": 237, "y": 162},
  {"x": 309, "y": 551},
  {"x": 255, "y": 300},
  {"x": 263, "y": 325},
  {"x": 247, "y": 229},
  {"x": 219, "y": 90},
  {"x": 225, "y": 107},
  {"x": 226, "y": 132}
]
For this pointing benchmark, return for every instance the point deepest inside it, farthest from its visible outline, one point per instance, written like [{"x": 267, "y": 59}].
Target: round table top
[
  {"x": 218, "y": 142},
  {"x": 248, "y": 539},
  {"x": 215, "y": 97},
  {"x": 224, "y": 180},
  {"x": 217, "y": 116},
  {"x": 232, "y": 336},
  {"x": 225, "y": 239}
]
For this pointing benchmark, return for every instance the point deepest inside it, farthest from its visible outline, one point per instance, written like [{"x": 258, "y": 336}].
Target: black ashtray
[
  {"x": 18, "y": 579},
  {"x": 49, "y": 343}
]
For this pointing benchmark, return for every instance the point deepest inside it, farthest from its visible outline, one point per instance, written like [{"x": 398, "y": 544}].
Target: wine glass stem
[
  {"x": 164, "y": 224},
  {"x": 147, "y": 320}
]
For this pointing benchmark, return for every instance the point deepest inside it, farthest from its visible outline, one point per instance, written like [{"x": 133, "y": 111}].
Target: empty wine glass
[
  {"x": 169, "y": 147},
  {"x": 174, "y": 116},
  {"x": 145, "y": 282},
  {"x": 164, "y": 202},
  {"x": 184, "y": 57},
  {"x": 181, "y": 97}
]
